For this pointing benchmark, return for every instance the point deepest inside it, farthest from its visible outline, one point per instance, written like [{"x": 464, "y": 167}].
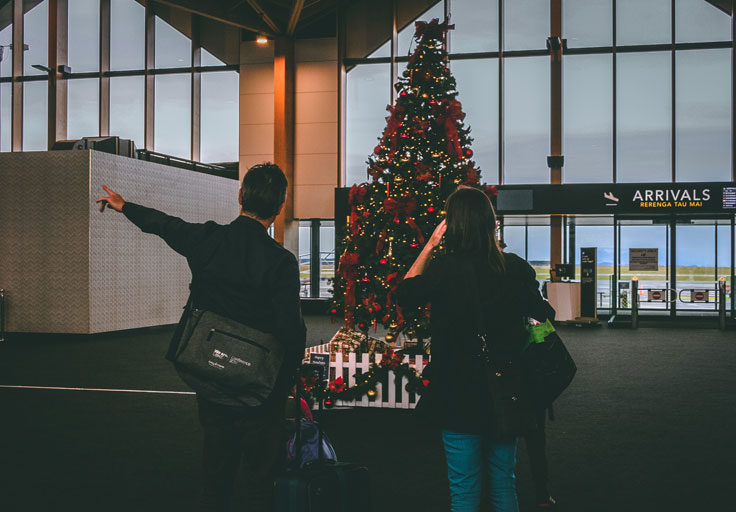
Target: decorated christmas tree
[{"x": 423, "y": 155}]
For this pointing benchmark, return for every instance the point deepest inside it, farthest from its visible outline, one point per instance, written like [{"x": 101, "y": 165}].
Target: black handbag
[
  {"x": 549, "y": 368},
  {"x": 223, "y": 360}
]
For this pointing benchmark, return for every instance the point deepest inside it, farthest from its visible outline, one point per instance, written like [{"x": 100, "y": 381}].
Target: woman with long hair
[{"x": 475, "y": 289}]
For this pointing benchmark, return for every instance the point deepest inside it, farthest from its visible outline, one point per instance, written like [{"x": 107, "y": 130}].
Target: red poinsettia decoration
[
  {"x": 391, "y": 359},
  {"x": 336, "y": 386}
]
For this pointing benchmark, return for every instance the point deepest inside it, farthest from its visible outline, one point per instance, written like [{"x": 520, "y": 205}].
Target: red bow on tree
[
  {"x": 491, "y": 191},
  {"x": 357, "y": 194},
  {"x": 448, "y": 114},
  {"x": 405, "y": 205},
  {"x": 424, "y": 172},
  {"x": 432, "y": 30},
  {"x": 393, "y": 122},
  {"x": 348, "y": 269}
]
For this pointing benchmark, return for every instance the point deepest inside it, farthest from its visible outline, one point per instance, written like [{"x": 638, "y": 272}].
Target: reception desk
[
  {"x": 564, "y": 296},
  {"x": 67, "y": 268}
]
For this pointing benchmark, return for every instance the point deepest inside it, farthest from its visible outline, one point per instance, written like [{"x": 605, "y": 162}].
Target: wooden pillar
[
  {"x": 58, "y": 52},
  {"x": 104, "y": 68},
  {"x": 150, "y": 82},
  {"x": 16, "y": 133},
  {"x": 556, "y": 227},
  {"x": 196, "y": 129},
  {"x": 286, "y": 229},
  {"x": 342, "y": 99}
]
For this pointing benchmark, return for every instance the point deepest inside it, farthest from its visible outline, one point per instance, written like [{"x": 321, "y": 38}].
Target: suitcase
[{"x": 322, "y": 485}]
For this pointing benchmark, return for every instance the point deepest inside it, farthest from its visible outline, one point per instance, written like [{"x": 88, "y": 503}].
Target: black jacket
[
  {"x": 452, "y": 284},
  {"x": 239, "y": 272}
]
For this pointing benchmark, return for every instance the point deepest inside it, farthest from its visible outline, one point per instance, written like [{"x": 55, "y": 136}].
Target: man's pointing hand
[{"x": 112, "y": 200}]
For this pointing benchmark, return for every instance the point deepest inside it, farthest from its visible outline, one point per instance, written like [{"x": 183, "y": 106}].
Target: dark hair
[
  {"x": 263, "y": 190},
  {"x": 471, "y": 226}
]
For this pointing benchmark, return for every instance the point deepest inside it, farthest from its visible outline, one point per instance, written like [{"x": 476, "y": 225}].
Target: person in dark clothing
[
  {"x": 241, "y": 273},
  {"x": 473, "y": 279},
  {"x": 536, "y": 448}
]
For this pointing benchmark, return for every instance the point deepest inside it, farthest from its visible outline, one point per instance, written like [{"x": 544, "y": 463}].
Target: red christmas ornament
[
  {"x": 383, "y": 261},
  {"x": 334, "y": 311},
  {"x": 413, "y": 244},
  {"x": 430, "y": 209},
  {"x": 468, "y": 152},
  {"x": 365, "y": 279}
]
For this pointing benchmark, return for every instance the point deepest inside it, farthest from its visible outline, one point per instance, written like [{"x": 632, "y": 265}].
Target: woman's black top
[{"x": 453, "y": 284}]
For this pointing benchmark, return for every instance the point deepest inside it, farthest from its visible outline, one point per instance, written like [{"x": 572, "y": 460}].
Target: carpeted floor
[{"x": 648, "y": 425}]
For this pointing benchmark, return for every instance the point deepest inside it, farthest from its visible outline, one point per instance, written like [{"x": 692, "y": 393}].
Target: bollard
[
  {"x": 2, "y": 315},
  {"x": 722, "y": 304},
  {"x": 634, "y": 302}
]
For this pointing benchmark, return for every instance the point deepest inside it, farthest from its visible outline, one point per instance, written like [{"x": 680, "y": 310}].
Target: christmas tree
[{"x": 423, "y": 155}]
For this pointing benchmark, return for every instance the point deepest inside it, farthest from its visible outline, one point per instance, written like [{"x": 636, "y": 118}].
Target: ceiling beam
[
  {"x": 296, "y": 12},
  {"x": 206, "y": 10},
  {"x": 264, "y": 16}
]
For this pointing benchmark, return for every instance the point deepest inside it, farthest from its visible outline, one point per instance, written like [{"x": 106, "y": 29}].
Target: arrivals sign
[{"x": 641, "y": 198}]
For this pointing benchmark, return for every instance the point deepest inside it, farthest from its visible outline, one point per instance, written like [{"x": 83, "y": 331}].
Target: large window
[
  {"x": 701, "y": 20},
  {"x": 172, "y": 134},
  {"x": 35, "y": 116},
  {"x": 6, "y": 40},
  {"x": 526, "y": 120},
  {"x": 703, "y": 115},
  {"x": 526, "y": 24},
  {"x": 476, "y": 26},
  {"x": 84, "y": 35},
  {"x": 621, "y": 122},
  {"x": 127, "y": 35},
  {"x": 477, "y": 81},
  {"x": 36, "y": 36},
  {"x": 367, "y": 96},
  {"x": 219, "y": 118},
  {"x": 643, "y": 22},
  {"x": 83, "y": 107},
  {"x": 79, "y": 45},
  {"x": 127, "y": 108},
  {"x": 5, "y": 119},
  {"x": 588, "y": 119},
  {"x": 173, "y": 49},
  {"x": 644, "y": 117},
  {"x": 587, "y": 23}
]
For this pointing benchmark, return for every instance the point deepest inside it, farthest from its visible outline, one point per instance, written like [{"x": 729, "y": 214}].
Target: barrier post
[
  {"x": 722, "y": 304},
  {"x": 634, "y": 302},
  {"x": 2, "y": 315}
]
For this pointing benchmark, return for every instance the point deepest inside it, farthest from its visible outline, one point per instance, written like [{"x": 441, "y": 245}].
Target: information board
[
  {"x": 643, "y": 259},
  {"x": 588, "y": 281}
]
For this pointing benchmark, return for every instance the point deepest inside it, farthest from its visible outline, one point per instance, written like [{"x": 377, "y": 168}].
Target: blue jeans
[{"x": 468, "y": 456}]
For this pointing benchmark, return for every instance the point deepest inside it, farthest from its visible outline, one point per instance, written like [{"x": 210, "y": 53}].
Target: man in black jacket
[{"x": 241, "y": 273}]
